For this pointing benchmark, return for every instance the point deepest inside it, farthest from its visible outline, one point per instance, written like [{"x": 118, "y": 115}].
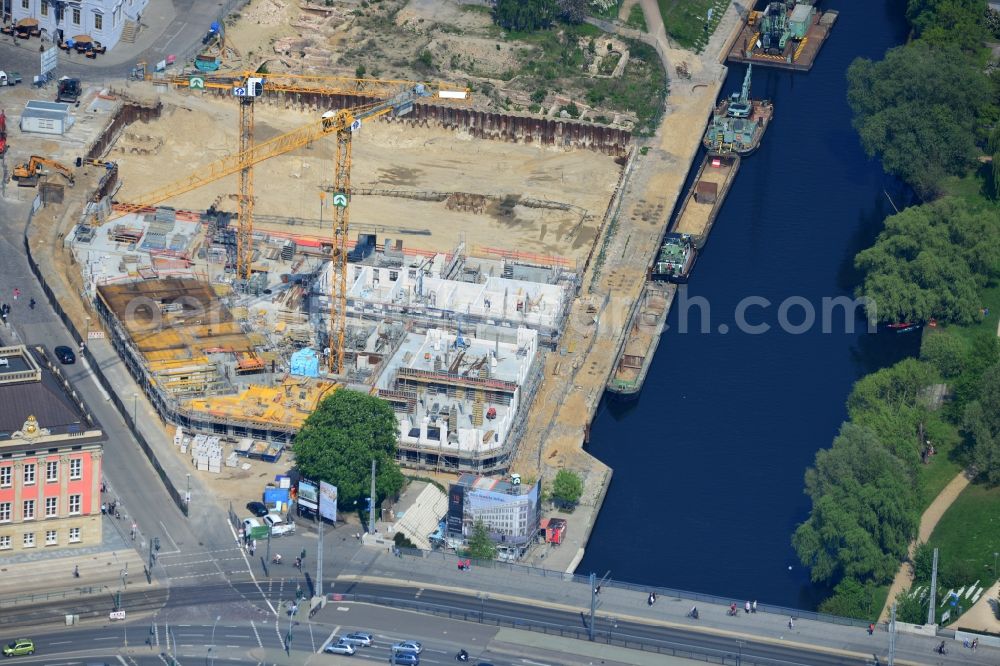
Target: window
[
  {"x": 76, "y": 16},
  {"x": 29, "y": 539},
  {"x": 4, "y": 512},
  {"x": 25, "y": 4},
  {"x": 5, "y": 542},
  {"x": 51, "y": 471},
  {"x": 98, "y": 21},
  {"x": 50, "y": 538},
  {"x": 51, "y": 507},
  {"x": 29, "y": 510},
  {"x": 75, "y": 469},
  {"x": 74, "y": 504},
  {"x": 5, "y": 476},
  {"x": 29, "y": 474},
  {"x": 74, "y": 534},
  {"x": 45, "y": 8},
  {"x": 59, "y": 14}
]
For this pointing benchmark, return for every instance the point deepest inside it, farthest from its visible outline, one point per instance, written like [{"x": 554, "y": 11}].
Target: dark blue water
[{"x": 709, "y": 463}]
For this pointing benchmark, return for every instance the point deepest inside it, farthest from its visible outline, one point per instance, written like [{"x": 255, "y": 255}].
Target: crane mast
[{"x": 244, "y": 233}]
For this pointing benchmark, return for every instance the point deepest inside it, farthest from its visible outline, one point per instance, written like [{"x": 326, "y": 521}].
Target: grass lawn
[
  {"x": 969, "y": 533},
  {"x": 932, "y": 478},
  {"x": 685, "y": 20},
  {"x": 636, "y": 19}
]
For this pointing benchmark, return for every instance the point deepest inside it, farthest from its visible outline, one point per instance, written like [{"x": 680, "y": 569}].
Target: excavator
[{"x": 27, "y": 174}]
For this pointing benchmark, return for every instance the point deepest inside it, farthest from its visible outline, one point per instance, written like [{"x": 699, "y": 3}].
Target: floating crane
[{"x": 393, "y": 97}]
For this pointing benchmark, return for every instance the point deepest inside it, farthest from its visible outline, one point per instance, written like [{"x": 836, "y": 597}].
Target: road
[{"x": 170, "y": 27}]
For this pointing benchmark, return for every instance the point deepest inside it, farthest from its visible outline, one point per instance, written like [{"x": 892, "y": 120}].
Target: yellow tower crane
[{"x": 395, "y": 97}]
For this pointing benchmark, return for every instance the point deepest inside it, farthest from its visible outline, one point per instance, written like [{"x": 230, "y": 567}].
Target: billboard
[
  {"x": 308, "y": 495},
  {"x": 328, "y": 501},
  {"x": 456, "y": 509}
]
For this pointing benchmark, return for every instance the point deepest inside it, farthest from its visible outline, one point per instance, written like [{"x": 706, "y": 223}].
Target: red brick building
[{"x": 50, "y": 458}]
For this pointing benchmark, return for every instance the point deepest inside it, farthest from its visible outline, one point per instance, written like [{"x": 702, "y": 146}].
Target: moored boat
[
  {"x": 738, "y": 123},
  {"x": 675, "y": 259}
]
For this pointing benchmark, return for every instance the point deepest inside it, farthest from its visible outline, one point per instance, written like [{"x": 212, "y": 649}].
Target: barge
[
  {"x": 702, "y": 203},
  {"x": 786, "y": 35},
  {"x": 738, "y": 123},
  {"x": 645, "y": 327}
]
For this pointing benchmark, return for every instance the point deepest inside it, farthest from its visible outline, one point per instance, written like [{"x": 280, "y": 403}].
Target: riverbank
[{"x": 576, "y": 375}]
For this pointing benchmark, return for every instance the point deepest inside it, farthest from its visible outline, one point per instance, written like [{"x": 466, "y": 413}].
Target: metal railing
[{"x": 664, "y": 592}]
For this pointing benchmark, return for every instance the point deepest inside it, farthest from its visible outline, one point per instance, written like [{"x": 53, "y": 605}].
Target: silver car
[
  {"x": 340, "y": 648},
  {"x": 358, "y": 638},
  {"x": 410, "y": 647}
]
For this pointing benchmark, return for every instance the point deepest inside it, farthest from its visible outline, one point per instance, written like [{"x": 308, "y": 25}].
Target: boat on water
[
  {"x": 738, "y": 123},
  {"x": 705, "y": 197},
  {"x": 636, "y": 354},
  {"x": 675, "y": 259},
  {"x": 903, "y": 327}
]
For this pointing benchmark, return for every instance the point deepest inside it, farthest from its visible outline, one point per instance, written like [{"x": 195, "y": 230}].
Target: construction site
[{"x": 237, "y": 323}]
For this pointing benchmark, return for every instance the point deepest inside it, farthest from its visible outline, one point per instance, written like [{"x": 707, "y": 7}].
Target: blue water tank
[{"x": 305, "y": 363}]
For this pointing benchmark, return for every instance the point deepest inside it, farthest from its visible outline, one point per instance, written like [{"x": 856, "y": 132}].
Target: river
[{"x": 709, "y": 462}]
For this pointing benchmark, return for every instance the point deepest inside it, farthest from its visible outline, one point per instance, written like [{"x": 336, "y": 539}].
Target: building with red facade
[{"x": 50, "y": 458}]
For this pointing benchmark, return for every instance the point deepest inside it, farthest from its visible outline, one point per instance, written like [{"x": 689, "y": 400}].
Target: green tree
[
  {"x": 982, "y": 425},
  {"x": 890, "y": 403},
  {"x": 481, "y": 546},
  {"x": 359, "y": 72},
  {"x": 340, "y": 439},
  {"x": 863, "y": 513},
  {"x": 959, "y": 23},
  {"x": 946, "y": 351},
  {"x": 524, "y": 15},
  {"x": 851, "y": 598},
  {"x": 567, "y": 487},
  {"x": 917, "y": 111},
  {"x": 930, "y": 262}
]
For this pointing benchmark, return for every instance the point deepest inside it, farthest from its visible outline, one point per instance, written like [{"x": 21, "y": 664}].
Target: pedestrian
[
  {"x": 653, "y": 594},
  {"x": 746, "y": 607},
  {"x": 871, "y": 628},
  {"x": 975, "y": 644},
  {"x": 597, "y": 590},
  {"x": 252, "y": 549},
  {"x": 791, "y": 623},
  {"x": 17, "y": 293},
  {"x": 753, "y": 606},
  {"x": 31, "y": 304},
  {"x": 104, "y": 509}
]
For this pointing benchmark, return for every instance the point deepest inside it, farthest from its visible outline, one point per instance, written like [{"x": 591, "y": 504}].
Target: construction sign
[{"x": 340, "y": 199}]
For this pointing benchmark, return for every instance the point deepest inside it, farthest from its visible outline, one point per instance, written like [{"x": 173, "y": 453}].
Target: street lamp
[
  {"x": 209, "y": 653},
  {"x": 135, "y": 400}
]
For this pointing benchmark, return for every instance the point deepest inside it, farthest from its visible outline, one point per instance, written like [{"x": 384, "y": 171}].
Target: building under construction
[{"x": 450, "y": 340}]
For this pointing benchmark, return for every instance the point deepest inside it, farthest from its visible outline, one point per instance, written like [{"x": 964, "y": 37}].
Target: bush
[{"x": 567, "y": 487}]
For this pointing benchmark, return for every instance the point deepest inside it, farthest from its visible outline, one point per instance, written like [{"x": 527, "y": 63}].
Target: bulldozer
[{"x": 27, "y": 174}]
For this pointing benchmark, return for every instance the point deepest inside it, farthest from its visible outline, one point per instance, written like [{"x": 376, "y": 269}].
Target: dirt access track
[{"x": 196, "y": 129}]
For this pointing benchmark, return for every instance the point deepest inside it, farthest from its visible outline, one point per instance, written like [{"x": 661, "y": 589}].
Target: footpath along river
[{"x": 709, "y": 462}]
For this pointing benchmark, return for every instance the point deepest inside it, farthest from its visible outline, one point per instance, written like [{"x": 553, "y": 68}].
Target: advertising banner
[
  {"x": 456, "y": 509},
  {"x": 308, "y": 495},
  {"x": 276, "y": 496},
  {"x": 328, "y": 501}
]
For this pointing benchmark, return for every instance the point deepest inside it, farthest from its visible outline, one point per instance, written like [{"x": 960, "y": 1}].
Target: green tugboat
[{"x": 738, "y": 123}]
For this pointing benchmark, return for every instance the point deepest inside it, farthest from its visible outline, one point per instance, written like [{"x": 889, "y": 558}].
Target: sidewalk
[
  {"x": 563, "y": 590},
  {"x": 41, "y": 571}
]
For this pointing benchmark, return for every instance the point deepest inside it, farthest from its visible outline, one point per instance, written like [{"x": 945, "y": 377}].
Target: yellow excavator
[{"x": 27, "y": 174}]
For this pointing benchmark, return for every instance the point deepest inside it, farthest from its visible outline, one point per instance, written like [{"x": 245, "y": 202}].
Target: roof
[
  {"x": 43, "y": 114},
  {"x": 47, "y": 110},
  {"x": 42, "y": 396}
]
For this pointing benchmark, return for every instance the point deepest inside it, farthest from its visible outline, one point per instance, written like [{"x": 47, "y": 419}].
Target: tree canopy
[
  {"x": 531, "y": 15},
  {"x": 960, "y": 23},
  {"x": 339, "y": 440},
  {"x": 982, "y": 424},
  {"x": 917, "y": 111},
  {"x": 481, "y": 546},
  {"x": 567, "y": 487},
  {"x": 931, "y": 261},
  {"x": 864, "y": 510}
]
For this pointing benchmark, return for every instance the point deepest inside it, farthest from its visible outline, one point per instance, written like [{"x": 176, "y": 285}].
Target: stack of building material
[{"x": 206, "y": 454}]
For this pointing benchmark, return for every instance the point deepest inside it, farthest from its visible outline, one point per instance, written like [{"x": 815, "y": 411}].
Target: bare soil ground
[{"x": 202, "y": 129}]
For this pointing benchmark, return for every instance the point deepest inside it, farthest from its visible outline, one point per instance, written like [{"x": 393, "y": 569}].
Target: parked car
[
  {"x": 361, "y": 638},
  {"x": 405, "y": 658},
  {"x": 278, "y": 526},
  {"x": 340, "y": 648},
  {"x": 257, "y": 508},
  {"x": 249, "y": 524},
  {"x": 411, "y": 647},
  {"x": 19, "y": 647},
  {"x": 65, "y": 355}
]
